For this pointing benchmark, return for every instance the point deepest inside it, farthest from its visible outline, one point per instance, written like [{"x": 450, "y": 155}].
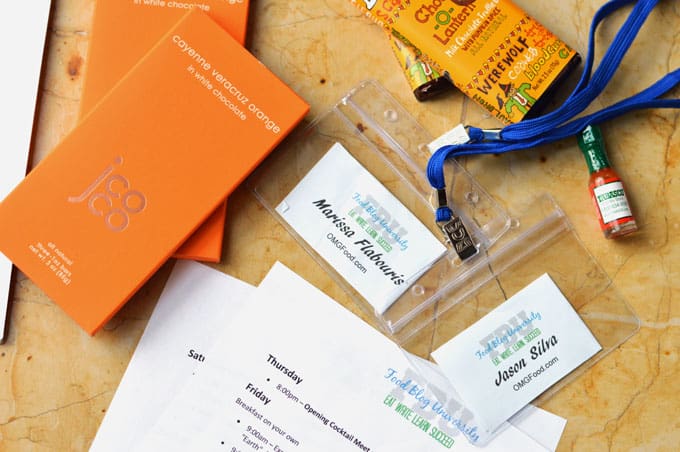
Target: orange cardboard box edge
[
  {"x": 205, "y": 244},
  {"x": 90, "y": 228},
  {"x": 113, "y": 52}
]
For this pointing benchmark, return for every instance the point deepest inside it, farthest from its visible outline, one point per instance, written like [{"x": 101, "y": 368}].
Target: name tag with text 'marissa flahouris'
[{"x": 361, "y": 229}]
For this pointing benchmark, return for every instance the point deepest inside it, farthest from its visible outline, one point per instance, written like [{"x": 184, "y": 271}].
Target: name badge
[
  {"x": 517, "y": 351},
  {"x": 353, "y": 222}
]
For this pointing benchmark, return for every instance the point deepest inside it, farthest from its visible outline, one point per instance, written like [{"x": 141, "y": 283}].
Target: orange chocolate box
[
  {"x": 113, "y": 201},
  {"x": 122, "y": 33}
]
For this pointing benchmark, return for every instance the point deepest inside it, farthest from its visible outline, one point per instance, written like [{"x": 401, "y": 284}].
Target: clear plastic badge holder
[{"x": 449, "y": 295}]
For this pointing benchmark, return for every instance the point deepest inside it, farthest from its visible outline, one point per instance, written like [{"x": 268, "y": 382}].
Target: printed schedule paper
[
  {"x": 517, "y": 351},
  {"x": 363, "y": 231},
  {"x": 24, "y": 22},
  {"x": 297, "y": 371},
  {"x": 196, "y": 305}
]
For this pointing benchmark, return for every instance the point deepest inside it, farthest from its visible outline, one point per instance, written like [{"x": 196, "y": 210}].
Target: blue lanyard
[{"x": 559, "y": 124}]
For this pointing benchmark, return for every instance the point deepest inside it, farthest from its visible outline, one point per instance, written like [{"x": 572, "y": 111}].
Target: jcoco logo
[{"x": 115, "y": 201}]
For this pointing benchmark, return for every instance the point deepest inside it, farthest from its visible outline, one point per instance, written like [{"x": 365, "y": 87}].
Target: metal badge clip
[
  {"x": 459, "y": 238},
  {"x": 454, "y": 230}
]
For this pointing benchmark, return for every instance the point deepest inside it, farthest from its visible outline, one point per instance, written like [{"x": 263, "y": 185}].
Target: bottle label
[{"x": 612, "y": 202}]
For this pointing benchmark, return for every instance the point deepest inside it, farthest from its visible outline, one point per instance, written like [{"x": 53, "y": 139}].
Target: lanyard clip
[
  {"x": 491, "y": 134},
  {"x": 459, "y": 238},
  {"x": 477, "y": 135},
  {"x": 454, "y": 231}
]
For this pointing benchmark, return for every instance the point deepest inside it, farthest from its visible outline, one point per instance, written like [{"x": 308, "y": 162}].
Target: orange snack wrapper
[{"x": 493, "y": 51}]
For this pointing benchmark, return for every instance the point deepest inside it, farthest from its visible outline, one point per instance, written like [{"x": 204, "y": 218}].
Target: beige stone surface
[{"x": 56, "y": 382}]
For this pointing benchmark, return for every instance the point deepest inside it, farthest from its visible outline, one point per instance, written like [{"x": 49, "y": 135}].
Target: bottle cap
[{"x": 592, "y": 146}]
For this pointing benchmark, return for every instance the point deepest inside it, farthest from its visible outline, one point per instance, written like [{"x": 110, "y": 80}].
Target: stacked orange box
[
  {"x": 122, "y": 32},
  {"x": 140, "y": 173}
]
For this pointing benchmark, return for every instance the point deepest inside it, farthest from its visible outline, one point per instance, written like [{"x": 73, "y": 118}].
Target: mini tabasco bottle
[{"x": 606, "y": 188}]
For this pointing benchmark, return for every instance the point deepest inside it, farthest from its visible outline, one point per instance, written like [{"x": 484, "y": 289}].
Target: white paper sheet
[
  {"x": 23, "y": 26},
  {"x": 297, "y": 362},
  {"x": 196, "y": 305},
  {"x": 544, "y": 427}
]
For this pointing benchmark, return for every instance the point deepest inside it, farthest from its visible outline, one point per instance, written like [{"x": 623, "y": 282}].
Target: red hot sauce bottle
[{"x": 606, "y": 188}]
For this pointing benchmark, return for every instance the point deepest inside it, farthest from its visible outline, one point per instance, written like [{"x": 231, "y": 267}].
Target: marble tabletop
[{"x": 56, "y": 382}]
